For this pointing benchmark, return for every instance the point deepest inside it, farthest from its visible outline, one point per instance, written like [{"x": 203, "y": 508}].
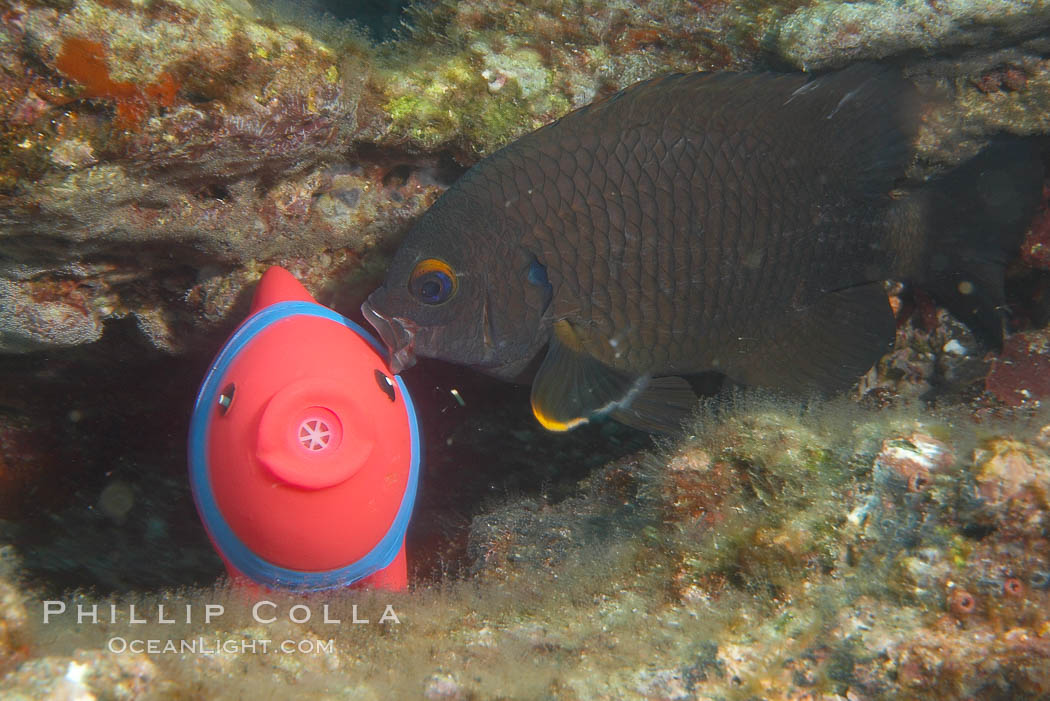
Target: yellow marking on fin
[
  {"x": 567, "y": 335},
  {"x": 554, "y": 425}
]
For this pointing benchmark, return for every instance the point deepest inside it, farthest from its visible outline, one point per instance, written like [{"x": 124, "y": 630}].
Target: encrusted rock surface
[
  {"x": 156, "y": 157},
  {"x": 775, "y": 552},
  {"x": 831, "y": 33}
]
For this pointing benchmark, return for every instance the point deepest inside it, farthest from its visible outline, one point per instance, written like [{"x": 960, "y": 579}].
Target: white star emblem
[{"x": 314, "y": 434}]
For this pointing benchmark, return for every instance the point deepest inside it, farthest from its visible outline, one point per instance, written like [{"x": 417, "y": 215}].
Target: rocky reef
[
  {"x": 777, "y": 552},
  {"x": 156, "y": 157}
]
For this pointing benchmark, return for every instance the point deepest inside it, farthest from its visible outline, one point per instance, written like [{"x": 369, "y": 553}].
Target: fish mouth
[{"x": 398, "y": 335}]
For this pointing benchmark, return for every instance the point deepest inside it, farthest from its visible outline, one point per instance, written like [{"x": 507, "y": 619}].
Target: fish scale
[
  {"x": 731, "y": 170},
  {"x": 731, "y": 221}
]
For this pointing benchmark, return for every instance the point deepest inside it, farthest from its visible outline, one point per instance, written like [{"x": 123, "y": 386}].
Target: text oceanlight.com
[{"x": 215, "y": 646}]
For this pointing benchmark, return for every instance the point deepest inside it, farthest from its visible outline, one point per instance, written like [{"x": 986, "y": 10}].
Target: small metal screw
[{"x": 226, "y": 399}]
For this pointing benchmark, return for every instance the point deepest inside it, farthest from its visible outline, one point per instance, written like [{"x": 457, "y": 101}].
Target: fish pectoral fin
[
  {"x": 823, "y": 348},
  {"x": 660, "y": 407},
  {"x": 572, "y": 386}
]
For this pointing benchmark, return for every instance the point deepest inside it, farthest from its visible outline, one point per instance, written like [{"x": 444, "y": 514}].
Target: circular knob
[{"x": 312, "y": 435}]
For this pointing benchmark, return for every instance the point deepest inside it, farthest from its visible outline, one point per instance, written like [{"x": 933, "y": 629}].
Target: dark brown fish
[{"x": 741, "y": 222}]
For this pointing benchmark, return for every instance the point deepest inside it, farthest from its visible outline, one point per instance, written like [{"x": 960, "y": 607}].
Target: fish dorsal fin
[
  {"x": 822, "y": 348},
  {"x": 572, "y": 386}
]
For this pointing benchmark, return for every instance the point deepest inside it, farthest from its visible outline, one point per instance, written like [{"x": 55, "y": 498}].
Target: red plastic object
[{"x": 310, "y": 449}]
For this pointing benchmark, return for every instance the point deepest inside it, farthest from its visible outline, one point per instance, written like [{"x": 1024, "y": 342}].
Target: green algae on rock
[
  {"x": 774, "y": 552},
  {"x": 246, "y": 150},
  {"x": 225, "y": 167}
]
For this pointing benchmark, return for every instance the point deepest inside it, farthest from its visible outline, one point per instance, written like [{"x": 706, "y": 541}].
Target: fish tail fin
[{"x": 977, "y": 215}]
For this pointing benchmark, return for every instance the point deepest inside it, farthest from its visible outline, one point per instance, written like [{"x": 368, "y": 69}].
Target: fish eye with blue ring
[{"x": 433, "y": 281}]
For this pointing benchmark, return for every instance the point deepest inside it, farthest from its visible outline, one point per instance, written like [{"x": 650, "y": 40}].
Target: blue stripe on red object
[{"x": 231, "y": 547}]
